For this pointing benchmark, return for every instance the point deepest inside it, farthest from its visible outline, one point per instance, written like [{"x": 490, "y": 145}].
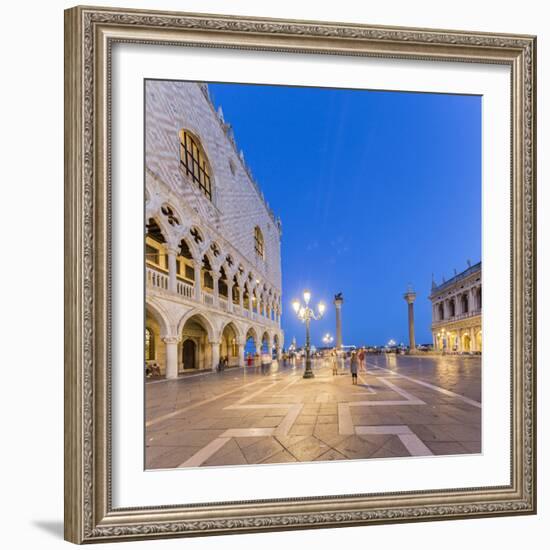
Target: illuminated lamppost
[
  {"x": 327, "y": 339},
  {"x": 306, "y": 314}
]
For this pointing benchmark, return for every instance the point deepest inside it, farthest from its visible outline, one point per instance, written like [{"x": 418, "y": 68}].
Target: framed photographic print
[{"x": 300, "y": 274}]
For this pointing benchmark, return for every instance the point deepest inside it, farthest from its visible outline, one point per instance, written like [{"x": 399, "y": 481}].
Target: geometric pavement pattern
[{"x": 402, "y": 406}]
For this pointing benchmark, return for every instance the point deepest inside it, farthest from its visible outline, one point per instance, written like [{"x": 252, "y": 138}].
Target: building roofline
[
  {"x": 226, "y": 128},
  {"x": 458, "y": 277}
]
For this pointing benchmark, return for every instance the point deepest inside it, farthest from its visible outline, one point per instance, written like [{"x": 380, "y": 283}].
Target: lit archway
[
  {"x": 466, "y": 342},
  {"x": 195, "y": 350},
  {"x": 229, "y": 345},
  {"x": 250, "y": 346}
]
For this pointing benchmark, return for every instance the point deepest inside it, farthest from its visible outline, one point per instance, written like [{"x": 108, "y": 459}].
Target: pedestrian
[
  {"x": 334, "y": 362},
  {"x": 353, "y": 367},
  {"x": 361, "y": 359},
  {"x": 249, "y": 360}
]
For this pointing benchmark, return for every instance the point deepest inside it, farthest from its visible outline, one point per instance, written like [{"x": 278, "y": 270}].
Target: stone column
[
  {"x": 250, "y": 297},
  {"x": 473, "y": 343},
  {"x": 258, "y": 361},
  {"x": 171, "y": 356},
  {"x": 434, "y": 341},
  {"x": 338, "y": 301},
  {"x": 410, "y": 297},
  {"x": 472, "y": 299},
  {"x": 215, "y": 355},
  {"x": 172, "y": 271},
  {"x": 240, "y": 355},
  {"x": 198, "y": 282},
  {"x": 216, "y": 290},
  {"x": 241, "y": 299},
  {"x": 270, "y": 350}
]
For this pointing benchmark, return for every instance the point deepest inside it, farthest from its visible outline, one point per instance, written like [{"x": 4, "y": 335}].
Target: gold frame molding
[{"x": 89, "y": 35}]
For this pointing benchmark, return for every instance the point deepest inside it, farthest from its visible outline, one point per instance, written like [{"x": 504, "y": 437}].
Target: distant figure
[
  {"x": 334, "y": 362},
  {"x": 361, "y": 357},
  {"x": 353, "y": 367},
  {"x": 249, "y": 360}
]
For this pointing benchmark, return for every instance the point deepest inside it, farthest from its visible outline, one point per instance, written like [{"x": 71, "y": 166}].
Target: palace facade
[
  {"x": 456, "y": 312},
  {"x": 212, "y": 244}
]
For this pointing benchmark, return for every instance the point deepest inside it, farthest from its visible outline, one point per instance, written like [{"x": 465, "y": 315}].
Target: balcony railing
[
  {"x": 161, "y": 281},
  {"x": 185, "y": 289},
  {"x": 458, "y": 317},
  {"x": 156, "y": 279}
]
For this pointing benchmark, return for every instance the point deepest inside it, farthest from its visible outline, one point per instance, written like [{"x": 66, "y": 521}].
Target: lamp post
[
  {"x": 306, "y": 314},
  {"x": 327, "y": 339}
]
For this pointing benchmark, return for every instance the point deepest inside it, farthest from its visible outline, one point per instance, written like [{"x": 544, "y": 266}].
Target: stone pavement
[{"x": 402, "y": 406}]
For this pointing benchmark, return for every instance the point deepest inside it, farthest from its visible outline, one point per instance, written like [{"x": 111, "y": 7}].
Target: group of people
[{"x": 358, "y": 362}]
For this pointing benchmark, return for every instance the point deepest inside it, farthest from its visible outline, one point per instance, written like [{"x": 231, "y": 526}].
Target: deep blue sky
[{"x": 375, "y": 190}]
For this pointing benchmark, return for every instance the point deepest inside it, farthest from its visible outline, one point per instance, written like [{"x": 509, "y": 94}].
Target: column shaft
[
  {"x": 172, "y": 271},
  {"x": 171, "y": 357},
  {"x": 215, "y": 355}
]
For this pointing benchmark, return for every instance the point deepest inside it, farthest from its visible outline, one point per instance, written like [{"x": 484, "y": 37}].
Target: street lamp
[
  {"x": 306, "y": 314},
  {"x": 327, "y": 339}
]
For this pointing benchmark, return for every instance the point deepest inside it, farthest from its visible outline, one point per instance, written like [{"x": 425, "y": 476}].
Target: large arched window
[
  {"x": 194, "y": 161},
  {"x": 259, "y": 242}
]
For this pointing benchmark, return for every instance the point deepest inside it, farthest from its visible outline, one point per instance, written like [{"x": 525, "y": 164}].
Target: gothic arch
[
  {"x": 202, "y": 319},
  {"x": 160, "y": 316},
  {"x": 236, "y": 329}
]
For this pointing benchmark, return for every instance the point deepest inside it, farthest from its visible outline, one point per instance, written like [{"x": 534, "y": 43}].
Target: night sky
[{"x": 375, "y": 190}]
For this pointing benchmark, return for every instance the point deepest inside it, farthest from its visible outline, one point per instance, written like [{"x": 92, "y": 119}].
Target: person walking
[
  {"x": 361, "y": 357},
  {"x": 353, "y": 367},
  {"x": 334, "y": 361}
]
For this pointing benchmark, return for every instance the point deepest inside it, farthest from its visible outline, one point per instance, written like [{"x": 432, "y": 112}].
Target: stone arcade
[{"x": 212, "y": 244}]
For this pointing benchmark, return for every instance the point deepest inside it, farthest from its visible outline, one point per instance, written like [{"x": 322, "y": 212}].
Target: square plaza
[{"x": 402, "y": 406}]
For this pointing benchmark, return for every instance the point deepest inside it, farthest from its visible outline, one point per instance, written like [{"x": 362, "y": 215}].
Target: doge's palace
[{"x": 212, "y": 244}]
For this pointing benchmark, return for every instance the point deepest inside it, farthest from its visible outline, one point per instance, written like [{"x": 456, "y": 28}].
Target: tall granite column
[
  {"x": 338, "y": 301},
  {"x": 410, "y": 297}
]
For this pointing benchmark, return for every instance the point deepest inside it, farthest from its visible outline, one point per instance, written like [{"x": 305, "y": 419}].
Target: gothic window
[
  {"x": 169, "y": 213},
  {"x": 215, "y": 249},
  {"x": 235, "y": 291},
  {"x": 195, "y": 233},
  {"x": 152, "y": 254},
  {"x": 222, "y": 284},
  {"x": 259, "y": 242},
  {"x": 208, "y": 280},
  {"x": 195, "y": 163},
  {"x": 154, "y": 249}
]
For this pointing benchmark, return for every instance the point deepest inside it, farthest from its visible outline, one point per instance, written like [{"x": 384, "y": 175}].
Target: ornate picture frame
[{"x": 90, "y": 34}]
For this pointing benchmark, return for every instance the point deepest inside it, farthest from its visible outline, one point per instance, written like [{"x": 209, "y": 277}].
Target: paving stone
[
  {"x": 280, "y": 458},
  {"x": 357, "y": 447},
  {"x": 261, "y": 450},
  {"x": 308, "y": 449},
  {"x": 181, "y": 424}
]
